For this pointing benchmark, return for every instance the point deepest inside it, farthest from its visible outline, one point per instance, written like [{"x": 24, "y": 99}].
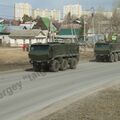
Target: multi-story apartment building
[
  {"x": 40, "y": 13},
  {"x": 24, "y": 8},
  {"x": 75, "y": 9},
  {"x": 55, "y": 14},
  {"x": 21, "y": 9}
]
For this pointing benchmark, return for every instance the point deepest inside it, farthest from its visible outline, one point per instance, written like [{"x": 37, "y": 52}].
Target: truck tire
[
  {"x": 73, "y": 63},
  {"x": 97, "y": 58},
  {"x": 78, "y": 58},
  {"x": 54, "y": 66},
  {"x": 112, "y": 58},
  {"x": 36, "y": 68},
  {"x": 107, "y": 59},
  {"x": 116, "y": 57},
  {"x": 64, "y": 64}
]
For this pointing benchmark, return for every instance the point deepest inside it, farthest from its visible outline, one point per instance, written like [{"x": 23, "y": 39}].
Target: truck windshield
[
  {"x": 39, "y": 48},
  {"x": 102, "y": 46}
]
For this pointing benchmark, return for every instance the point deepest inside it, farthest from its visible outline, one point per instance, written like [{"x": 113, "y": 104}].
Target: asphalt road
[{"x": 25, "y": 92}]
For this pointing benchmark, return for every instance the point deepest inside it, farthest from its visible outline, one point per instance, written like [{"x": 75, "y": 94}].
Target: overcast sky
[{"x": 7, "y": 5}]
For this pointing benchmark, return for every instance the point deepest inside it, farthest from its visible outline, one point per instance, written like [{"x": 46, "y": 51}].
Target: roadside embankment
[{"x": 104, "y": 105}]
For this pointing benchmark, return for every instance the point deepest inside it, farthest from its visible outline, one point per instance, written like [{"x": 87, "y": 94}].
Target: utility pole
[
  {"x": 84, "y": 28},
  {"x": 93, "y": 23},
  {"x": 93, "y": 20},
  {"x": 49, "y": 31}
]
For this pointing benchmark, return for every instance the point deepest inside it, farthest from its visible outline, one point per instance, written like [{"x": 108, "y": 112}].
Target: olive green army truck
[
  {"x": 108, "y": 51},
  {"x": 54, "y": 56}
]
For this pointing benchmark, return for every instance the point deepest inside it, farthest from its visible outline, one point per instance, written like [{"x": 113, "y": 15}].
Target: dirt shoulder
[
  {"x": 13, "y": 58},
  {"x": 13, "y": 55},
  {"x": 104, "y": 105}
]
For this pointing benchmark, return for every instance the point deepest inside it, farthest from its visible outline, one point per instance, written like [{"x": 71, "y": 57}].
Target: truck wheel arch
[{"x": 112, "y": 57}]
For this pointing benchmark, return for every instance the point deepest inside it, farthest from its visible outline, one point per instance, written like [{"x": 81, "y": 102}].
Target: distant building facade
[
  {"x": 87, "y": 13},
  {"x": 40, "y": 12},
  {"x": 55, "y": 14},
  {"x": 108, "y": 14},
  {"x": 22, "y": 9},
  {"x": 75, "y": 9}
]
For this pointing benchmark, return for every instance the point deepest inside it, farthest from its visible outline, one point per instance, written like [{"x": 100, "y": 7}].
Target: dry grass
[{"x": 13, "y": 56}]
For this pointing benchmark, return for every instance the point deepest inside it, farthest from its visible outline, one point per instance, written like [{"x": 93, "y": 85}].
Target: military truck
[
  {"x": 108, "y": 51},
  {"x": 54, "y": 56}
]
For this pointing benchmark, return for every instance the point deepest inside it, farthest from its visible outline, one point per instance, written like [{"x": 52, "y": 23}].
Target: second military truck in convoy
[
  {"x": 54, "y": 56},
  {"x": 108, "y": 51}
]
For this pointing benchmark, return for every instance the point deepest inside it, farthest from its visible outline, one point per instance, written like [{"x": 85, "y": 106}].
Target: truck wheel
[
  {"x": 119, "y": 56},
  {"x": 116, "y": 57},
  {"x": 107, "y": 59},
  {"x": 112, "y": 57},
  {"x": 54, "y": 66},
  {"x": 97, "y": 59},
  {"x": 36, "y": 68},
  {"x": 73, "y": 63},
  {"x": 78, "y": 58},
  {"x": 64, "y": 65}
]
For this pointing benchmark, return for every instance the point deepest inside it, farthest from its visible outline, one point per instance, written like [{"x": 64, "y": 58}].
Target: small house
[{"x": 21, "y": 37}]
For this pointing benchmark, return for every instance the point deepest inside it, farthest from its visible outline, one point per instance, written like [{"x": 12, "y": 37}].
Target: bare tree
[
  {"x": 68, "y": 18},
  {"x": 115, "y": 20},
  {"x": 101, "y": 22}
]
